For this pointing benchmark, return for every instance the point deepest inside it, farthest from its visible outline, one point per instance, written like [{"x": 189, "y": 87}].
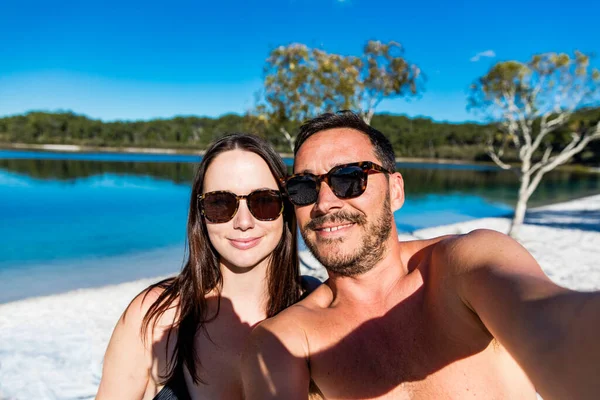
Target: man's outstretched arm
[
  {"x": 552, "y": 332},
  {"x": 274, "y": 364}
]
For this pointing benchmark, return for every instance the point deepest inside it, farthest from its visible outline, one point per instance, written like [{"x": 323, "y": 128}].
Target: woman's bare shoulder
[
  {"x": 129, "y": 356},
  {"x": 136, "y": 316}
]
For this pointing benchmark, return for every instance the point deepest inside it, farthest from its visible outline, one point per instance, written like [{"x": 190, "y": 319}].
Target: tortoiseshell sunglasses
[
  {"x": 346, "y": 181},
  {"x": 221, "y": 206}
]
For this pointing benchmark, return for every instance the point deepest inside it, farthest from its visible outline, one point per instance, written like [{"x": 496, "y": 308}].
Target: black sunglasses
[
  {"x": 346, "y": 181},
  {"x": 221, "y": 206}
]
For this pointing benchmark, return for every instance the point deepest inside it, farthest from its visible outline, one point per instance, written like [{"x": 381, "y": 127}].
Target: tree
[
  {"x": 300, "y": 83},
  {"x": 532, "y": 102}
]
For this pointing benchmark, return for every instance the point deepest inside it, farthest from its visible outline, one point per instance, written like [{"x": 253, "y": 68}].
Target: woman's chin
[{"x": 246, "y": 262}]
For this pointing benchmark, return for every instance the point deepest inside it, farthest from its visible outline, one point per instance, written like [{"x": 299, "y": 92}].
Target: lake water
[{"x": 79, "y": 220}]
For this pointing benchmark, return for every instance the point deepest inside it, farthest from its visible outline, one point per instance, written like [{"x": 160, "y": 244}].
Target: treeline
[{"x": 411, "y": 137}]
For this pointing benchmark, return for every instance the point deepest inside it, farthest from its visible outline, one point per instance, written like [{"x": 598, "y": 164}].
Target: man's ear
[{"x": 396, "y": 191}]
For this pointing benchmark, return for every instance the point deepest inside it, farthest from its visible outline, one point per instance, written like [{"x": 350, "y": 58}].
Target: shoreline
[
  {"x": 75, "y": 148},
  {"x": 57, "y": 277},
  {"x": 72, "y": 148}
]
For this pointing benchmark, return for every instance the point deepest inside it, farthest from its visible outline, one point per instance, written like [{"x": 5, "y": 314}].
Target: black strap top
[{"x": 175, "y": 388}]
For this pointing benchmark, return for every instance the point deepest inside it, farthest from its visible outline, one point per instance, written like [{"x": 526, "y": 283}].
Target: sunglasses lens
[
  {"x": 348, "y": 182},
  {"x": 219, "y": 207},
  {"x": 302, "y": 190},
  {"x": 265, "y": 205}
]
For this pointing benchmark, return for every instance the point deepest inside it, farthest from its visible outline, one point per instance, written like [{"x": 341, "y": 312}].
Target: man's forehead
[
  {"x": 323, "y": 167},
  {"x": 327, "y": 149},
  {"x": 336, "y": 134}
]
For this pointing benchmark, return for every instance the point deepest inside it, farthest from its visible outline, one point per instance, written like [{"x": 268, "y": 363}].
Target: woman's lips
[{"x": 245, "y": 244}]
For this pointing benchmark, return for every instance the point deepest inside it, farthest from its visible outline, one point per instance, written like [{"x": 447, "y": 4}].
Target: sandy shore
[
  {"x": 52, "y": 347},
  {"x": 73, "y": 148}
]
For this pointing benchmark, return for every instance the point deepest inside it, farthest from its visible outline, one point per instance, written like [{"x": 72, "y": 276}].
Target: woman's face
[{"x": 244, "y": 241}]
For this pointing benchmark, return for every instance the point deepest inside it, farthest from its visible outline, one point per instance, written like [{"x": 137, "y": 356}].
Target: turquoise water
[
  {"x": 61, "y": 213},
  {"x": 107, "y": 215},
  {"x": 101, "y": 216}
]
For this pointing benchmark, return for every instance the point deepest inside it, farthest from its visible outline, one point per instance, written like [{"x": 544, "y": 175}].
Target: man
[{"x": 454, "y": 317}]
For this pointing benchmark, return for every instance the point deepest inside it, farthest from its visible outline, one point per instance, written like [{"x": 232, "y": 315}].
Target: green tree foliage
[
  {"x": 70, "y": 128},
  {"x": 533, "y": 104},
  {"x": 301, "y": 82},
  {"x": 411, "y": 137}
]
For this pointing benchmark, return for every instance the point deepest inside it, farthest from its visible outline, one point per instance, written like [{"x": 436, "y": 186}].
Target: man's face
[{"x": 347, "y": 236}]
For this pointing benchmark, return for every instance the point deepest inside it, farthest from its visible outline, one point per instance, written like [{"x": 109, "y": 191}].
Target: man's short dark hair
[{"x": 348, "y": 119}]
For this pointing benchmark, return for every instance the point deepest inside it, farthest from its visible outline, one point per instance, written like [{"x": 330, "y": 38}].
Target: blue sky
[{"x": 140, "y": 60}]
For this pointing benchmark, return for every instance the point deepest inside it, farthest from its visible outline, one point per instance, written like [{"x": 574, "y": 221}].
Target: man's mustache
[{"x": 338, "y": 217}]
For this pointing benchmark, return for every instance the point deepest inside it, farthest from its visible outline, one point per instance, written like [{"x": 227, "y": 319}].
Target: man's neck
[{"x": 371, "y": 289}]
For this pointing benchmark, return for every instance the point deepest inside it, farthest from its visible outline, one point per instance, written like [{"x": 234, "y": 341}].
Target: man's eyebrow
[{"x": 305, "y": 171}]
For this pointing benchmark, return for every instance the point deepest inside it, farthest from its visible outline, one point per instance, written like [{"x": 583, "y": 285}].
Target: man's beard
[{"x": 368, "y": 254}]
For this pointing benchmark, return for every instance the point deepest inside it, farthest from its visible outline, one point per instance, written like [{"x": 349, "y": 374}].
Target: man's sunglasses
[
  {"x": 221, "y": 206},
  {"x": 346, "y": 181}
]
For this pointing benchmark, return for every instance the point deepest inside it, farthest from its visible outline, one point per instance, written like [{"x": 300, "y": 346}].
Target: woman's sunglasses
[
  {"x": 221, "y": 206},
  {"x": 346, "y": 181}
]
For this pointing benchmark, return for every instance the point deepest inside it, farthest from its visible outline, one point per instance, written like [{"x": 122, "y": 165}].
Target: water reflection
[
  {"x": 71, "y": 170},
  {"x": 420, "y": 179}
]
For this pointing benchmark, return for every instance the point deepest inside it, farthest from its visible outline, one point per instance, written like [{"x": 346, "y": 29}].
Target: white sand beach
[{"x": 52, "y": 347}]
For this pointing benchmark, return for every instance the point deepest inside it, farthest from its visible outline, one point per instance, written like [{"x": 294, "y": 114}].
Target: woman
[{"x": 182, "y": 337}]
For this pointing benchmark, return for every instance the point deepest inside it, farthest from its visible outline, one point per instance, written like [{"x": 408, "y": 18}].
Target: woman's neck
[{"x": 247, "y": 290}]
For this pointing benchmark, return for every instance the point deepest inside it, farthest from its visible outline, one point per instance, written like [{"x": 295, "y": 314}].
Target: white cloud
[{"x": 487, "y": 53}]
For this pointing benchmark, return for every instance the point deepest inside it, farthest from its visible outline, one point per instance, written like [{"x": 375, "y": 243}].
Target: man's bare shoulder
[
  {"x": 319, "y": 299},
  {"x": 446, "y": 260},
  {"x": 417, "y": 253},
  {"x": 290, "y": 325},
  {"x": 414, "y": 246},
  {"x": 481, "y": 248},
  {"x": 275, "y": 360}
]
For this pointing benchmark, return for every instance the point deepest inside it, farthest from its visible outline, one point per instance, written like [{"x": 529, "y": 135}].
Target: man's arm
[
  {"x": 274, "y": 364},
  {"x": 552, "y": 332}
]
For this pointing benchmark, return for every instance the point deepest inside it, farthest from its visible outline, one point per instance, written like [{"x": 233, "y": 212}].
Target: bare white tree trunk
[
  {"x": 289, "y": 138},
  {"x": 369, "y": 105},
  {"x": 368, "y": 116},
  {"x": 531, "y": 175},
  {"x": 521, "y": 207}
]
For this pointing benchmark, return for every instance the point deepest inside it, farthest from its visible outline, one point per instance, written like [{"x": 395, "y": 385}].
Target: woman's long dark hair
[{"x": 201, "y": 273}]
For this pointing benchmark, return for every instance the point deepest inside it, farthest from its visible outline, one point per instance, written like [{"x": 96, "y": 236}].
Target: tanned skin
[
  {"x": 454, "y": 317},
  {"x": 134, "y": 366}
]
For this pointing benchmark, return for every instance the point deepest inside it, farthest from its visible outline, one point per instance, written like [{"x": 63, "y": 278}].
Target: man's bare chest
[{"x": 402, "y": 353}]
